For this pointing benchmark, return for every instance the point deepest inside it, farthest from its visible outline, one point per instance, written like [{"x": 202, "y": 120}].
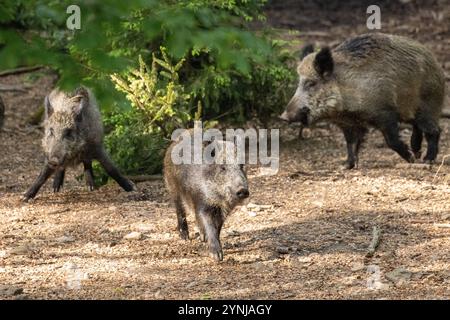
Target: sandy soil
[{"x": 304, "y": 234}]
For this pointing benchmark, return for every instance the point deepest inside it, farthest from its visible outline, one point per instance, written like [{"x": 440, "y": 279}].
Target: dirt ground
[{"x": 304, "y": 234}]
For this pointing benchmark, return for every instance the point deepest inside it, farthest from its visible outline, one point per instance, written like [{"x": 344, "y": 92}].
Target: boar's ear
[
  {"x": 323, "y": 63},
  {"x": 309, "y": 48},
  {"x": 48, "y": 108},
  {"x": 81, "y": 98}
]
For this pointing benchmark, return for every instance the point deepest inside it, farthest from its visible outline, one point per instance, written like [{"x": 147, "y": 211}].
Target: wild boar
[
  {"x": 73, "y": 135},
  {"x": 209, "y": 190},
  {"x": 373, "y": 80}
]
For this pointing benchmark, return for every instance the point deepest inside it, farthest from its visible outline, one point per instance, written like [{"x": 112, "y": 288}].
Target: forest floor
[{"x": 304, "y": 234}]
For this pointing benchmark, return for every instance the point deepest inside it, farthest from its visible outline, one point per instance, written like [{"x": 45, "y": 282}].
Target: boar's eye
[
  {"x": 68, "y": 134},
  {"x": 309, "y": 84}
]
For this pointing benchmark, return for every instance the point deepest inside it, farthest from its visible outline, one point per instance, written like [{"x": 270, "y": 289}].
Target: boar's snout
[
  {"x": 53, "y": 162},
  {"x": 242, "y": 193},
  {"x": 284, "y": 116},
  {"x": 301, "y": 115}
]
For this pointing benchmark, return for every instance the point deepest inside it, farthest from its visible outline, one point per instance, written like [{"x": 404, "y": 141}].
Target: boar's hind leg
[
  {"x": 89, "y": 175},
  {"x": 112, "y": 170},
  {"x": 416, "y": 141},
  {"x": 354, "y": 137},
  {"x": 181, "y": 219},
  {"x": 37, "y": 184},
  {"x": 390, "y": 131},
  {"x": 201, "y": 228},
  {"x": 58, "y": 180},
  {"x": 432, "y": 133},
  {"x": 212, "y": 221}
]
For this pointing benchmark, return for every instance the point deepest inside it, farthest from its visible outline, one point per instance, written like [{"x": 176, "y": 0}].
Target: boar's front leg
[
  {"x": 211, "y": 220},
  {"x": 112, "y": 170},
  {"x": 37, "y": 184},
  {"x": 390, "y": 130},
  {"x": 181, "y": 219},
  {"x": 58, "y": 180},
  {"x": 353, "y": 137},
  {"x": 416, "y": 141},
  {"x": 89, "y": 175}
]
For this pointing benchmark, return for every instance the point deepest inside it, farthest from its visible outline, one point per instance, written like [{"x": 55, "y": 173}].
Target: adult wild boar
[
  {"x": 73, "y": 135},
  {"x": 373, "y": 80}
]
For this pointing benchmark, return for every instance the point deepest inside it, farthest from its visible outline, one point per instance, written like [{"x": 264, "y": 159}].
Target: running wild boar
[
  {"x": 73, "y": 135},
  {"x": 210, "y": 191},
  {"x": 373, "y": 80}
]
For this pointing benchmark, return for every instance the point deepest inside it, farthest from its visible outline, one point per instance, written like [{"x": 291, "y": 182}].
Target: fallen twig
[
  {"x": 145, "y": 177},
  {"x": 59, "y": 211},
  {"x": 376, "y": 236},
  {"x": 19, "y": 70},
  {"x": 442, "y": 225},
  {"x": 315, "y": 33},
  {"x": 439, "y": 169},
  {"x": 13, "y": 88}
]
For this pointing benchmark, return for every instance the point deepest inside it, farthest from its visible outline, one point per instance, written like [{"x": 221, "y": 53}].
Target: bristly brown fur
[{"x": 375, "y": 80}]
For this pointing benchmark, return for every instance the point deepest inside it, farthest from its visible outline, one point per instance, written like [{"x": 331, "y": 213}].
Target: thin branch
[
  {"x": 19, "y": 70},
  {"x": 439, "y": 169},
  {"x": 376, "y": 236}
]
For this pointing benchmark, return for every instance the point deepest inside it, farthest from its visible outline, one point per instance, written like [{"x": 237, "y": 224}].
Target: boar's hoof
[
  {"x": 411, "y": 158},
  {"x": 417, "y": 155},
  {"x": 130, "y": 186},
  {"x": 216, "y": 254},
  {"x": 349, "y": 166},
  {"x": 429, "y": 161},
  {"x": 184, "y": 234},
  {"x": 25, "y": 198}
]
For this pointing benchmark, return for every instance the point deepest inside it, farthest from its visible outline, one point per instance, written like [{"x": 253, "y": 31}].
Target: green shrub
[{"x": 233, "y": 72}]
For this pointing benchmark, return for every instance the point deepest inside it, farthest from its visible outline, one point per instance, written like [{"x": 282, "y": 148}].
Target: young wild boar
[
  {"x": 374, "y": 80},
  {"x": 210, "y": 191},
  {"x": 73, "y": 135}
]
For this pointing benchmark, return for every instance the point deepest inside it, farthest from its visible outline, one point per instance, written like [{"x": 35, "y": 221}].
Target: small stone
[
  {"x": 252, "y": 213},
  {"x": 21, "y": 250},
  {"x": 133, "y": 236},
  {"x": 10, "y": 291},
  {"x": 358, "y": 266},
  {"x": 65, "y": 239},
  {"x": 258, "y": 266},
  {"x": 304, "y": 259},
  {"x": 266, "y": 171},
  {"x": 113, "y": 243},
  {"x": 399, "y": 275},
  {"x": 282, "y": 250}
]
